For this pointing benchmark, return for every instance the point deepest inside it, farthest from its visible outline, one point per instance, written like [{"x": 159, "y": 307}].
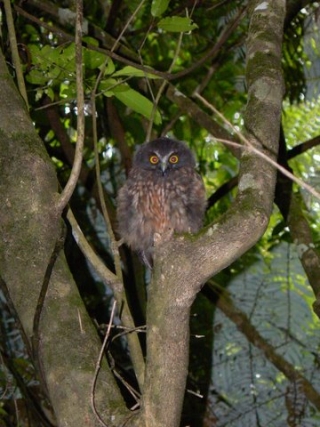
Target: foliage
[
  {"x": 277, "y": 300},
  {"x": 162, "y": 42}
]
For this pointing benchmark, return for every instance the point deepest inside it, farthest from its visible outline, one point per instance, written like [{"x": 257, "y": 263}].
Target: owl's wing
[
  {"x": 124, "y": 210},
  {"x": 131, "y": 222}
]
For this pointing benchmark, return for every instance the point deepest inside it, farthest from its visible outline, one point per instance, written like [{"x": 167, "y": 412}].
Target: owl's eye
[
  {"x": 154, "y": 160},
  {"x": 174, "y": 159}
]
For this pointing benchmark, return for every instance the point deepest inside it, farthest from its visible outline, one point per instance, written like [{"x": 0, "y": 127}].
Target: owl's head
[{"x": 163, "y": 155}]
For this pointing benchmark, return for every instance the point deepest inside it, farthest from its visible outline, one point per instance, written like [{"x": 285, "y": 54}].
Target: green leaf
[
  {"x": 68, "y": 91},
  {"x": 36, "y": 55},
  {"x": 158, "y": 7},
  {"x": 177, "y": 24},
  {"x": 134, "y": 72},
  {"x": 93, "y": 59},
  {"x": 50, "y": 93},
  {"x": 67, "y": 55},
  {"x": 108, "y": 87},
  {"x": 137, "y": 102},
  {"x": 90, "y": 41},
  {"x": 36, "y": 77},
  {"x": 39, "y": 94},
  {"x": 109, "y": 67}
]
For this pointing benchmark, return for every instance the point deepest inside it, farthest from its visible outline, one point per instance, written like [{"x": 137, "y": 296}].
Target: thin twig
[
  {"x": 90, "y": 254},
  {"x": 195, "y": 393},
  {"x": 119, "y": 293},
  {"x": 105, "y": 51},
  {"x": 162, "y": 87},
  {"x": 227, "y": 32},
  {"x": 225, "y": 303},
  {"x": 124, "y": 29},
  {"x": 117, "y": 287},
  {"x": 129, "y": 331},
  {"x": 130, "y": 389},
  {"x": 80, "y": 321},
  {"x": 114, "y": 246},
  {"x": 98, "y": 366},
  {"x": 76, "y": 168},
  {"x": 125, "y": 329},
  {"x": 250, "y": 147},
  {"x": 14, "y": 51}
]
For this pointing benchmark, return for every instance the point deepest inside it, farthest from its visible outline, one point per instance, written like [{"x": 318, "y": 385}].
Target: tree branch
[
  {"x": 233, "y": 182},
  {"x": 64, "y": 15},
  {"x": 189, "y": 107},
  {"x": 29, "y": 229},
  {"x": 183, "y": 264},
  {"x": 119, "y": 293},
  {"x": 225, "y": 304},
  {"x": 76, "y": 168},
  {"x": 303, "y": 147},
  {"x": 52, "y": 112},
  {"x": 292, "y": 208},
  {"x": 227, "y": 32},
  {"x": 14, "y": 50}
]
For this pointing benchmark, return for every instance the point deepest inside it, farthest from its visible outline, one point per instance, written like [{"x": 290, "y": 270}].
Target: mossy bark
[
  {"x": 183, "y": 264},
  {"x": 68, "y": 349},
  {"x": 29, "y": 228}
]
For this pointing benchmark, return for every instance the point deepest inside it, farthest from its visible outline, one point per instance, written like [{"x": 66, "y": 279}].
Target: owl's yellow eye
[
  {"x": 174, "y": 159},
  {"x": 154, "y": 160}
]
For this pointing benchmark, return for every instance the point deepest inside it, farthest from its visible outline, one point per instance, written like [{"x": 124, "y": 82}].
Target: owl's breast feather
[{"x": 152, "y": 204}]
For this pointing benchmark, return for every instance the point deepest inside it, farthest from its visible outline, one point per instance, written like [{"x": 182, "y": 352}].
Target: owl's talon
[
  {"x": 157, "y": 237},
  {"x": 163, "y": 237},
  {"x": 119, "y": 243}
]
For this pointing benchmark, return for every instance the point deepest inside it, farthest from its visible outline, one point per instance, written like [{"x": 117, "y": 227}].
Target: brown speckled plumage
[{"x": 160, "y": 197}]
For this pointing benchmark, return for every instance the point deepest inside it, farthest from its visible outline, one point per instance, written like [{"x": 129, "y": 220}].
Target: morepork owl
[{"x": 163, "y": 192}]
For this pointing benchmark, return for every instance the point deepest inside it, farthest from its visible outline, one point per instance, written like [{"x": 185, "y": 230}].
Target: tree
[{"x": 139, "y": 81}]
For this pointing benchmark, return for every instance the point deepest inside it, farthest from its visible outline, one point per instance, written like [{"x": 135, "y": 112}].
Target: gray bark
[
  {"x": 184, "y": 264},
  {"x": 29, "y": 228}
]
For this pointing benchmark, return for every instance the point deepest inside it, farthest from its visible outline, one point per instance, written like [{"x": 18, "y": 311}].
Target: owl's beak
[{"x": 163, "y": 166}]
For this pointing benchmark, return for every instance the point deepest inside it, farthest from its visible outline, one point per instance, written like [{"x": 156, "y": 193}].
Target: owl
[{"x": 163, "y": 193}]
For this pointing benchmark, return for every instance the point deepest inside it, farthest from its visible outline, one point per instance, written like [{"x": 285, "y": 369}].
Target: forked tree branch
[{"x": 183, "y": 264}]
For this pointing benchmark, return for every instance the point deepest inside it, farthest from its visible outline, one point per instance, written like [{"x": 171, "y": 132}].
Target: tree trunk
[{"x": 66, "y": 343}]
